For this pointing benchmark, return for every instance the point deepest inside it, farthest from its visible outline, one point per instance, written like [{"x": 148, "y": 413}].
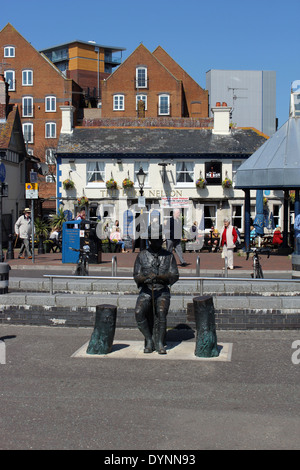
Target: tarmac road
[{"x": 50, "y": 400}]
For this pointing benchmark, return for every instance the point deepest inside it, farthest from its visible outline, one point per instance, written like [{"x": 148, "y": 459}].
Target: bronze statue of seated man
[{"x": 155, "y": 270}]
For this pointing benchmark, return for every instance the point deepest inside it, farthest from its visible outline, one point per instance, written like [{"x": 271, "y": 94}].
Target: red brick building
[
  {"x": 87, "y": 63},
  {"x": 152, "y": 85},
  {"x": 39, "y": 89}
]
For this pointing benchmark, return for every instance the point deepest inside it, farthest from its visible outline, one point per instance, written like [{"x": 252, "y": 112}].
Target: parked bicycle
[
  {"x": 257, "y": 269},
  {"x": 82, "y": 268}
]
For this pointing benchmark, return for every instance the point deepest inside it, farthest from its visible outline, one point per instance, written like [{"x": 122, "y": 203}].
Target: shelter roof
[{"x": 276, "y": 164}]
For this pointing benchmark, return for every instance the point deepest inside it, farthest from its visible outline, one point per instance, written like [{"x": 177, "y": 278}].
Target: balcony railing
[{"x": 112, "y": 60}]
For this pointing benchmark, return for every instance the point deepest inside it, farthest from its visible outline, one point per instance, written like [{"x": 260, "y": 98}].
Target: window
[
  {"x": 27, "y": 106},
  {"x": 119, "y": 103},
  {"x": 141, "y": 98},
  {"x": 210, "y": 218},
  {"x": 145, "y": 166},
  {"x": 28, "y": 132},
  {"x": 50, "y": 179},
  {"x": 141, "y": 77},
  {"x": 108, "y": 214},
  {"x": 184, "y": 172},
  {"x": 12, "y": 156},
  {"x": 276, "y": 214},
  {"x": 164, "y": 105},
  {"x": 27, "y": 78},
  {"x": 50, "y": 104},
  {"x": 49, "y": 157},
  {"x": 95, "y": 172},
  {"x": 50, "y": 130},
  {"x": 9, "y": 51},
  {"x": 235, "y": 166},
  {"x": 9, "y": 76},
  {"x": 237, "y": 216}
]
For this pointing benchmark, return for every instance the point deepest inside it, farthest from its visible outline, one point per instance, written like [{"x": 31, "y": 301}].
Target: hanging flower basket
[
  {"x": 127, "y": 183},
  {"x": 201, "y": 183},
  {"x": 292, "y": 196},
  {"x": 68, "y": 184},
  {"x": 111, "y": 184},
  {"x": 82, "y": 201},
  {"x": 227, "y": 183}
]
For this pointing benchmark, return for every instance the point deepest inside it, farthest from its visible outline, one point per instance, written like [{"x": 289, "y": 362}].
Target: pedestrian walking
[
  {"x": 227, "y": 241},
  {"x": 23, "y": 229}
]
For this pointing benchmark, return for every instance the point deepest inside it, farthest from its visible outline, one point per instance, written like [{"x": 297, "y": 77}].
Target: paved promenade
[
  {"x": 209, "y": 262},
  {"x": 53, "y": 400},
  {"x": 55, "y": 397},
  {"x": 240, "y": 302}
]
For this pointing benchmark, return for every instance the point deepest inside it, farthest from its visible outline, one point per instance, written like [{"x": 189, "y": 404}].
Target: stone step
[
  {"x": 232, "y": 312},
  {"x": 216, "y": 286}
]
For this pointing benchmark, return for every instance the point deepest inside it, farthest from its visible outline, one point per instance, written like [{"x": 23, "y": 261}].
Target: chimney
[
  {"x": 4, "y": 98},
  {"x": 67, "y": 111},
  {"x": 221, "y": 114}
]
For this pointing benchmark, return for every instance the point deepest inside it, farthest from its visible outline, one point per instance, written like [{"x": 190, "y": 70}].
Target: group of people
[
  {"x": 115, "y": 235},
  {"x": 277, "y": 238},
  {"x": 227, "y": 239}
]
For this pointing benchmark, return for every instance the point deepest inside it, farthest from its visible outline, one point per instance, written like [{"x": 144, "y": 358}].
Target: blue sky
[{"x": 199, "y": 35}]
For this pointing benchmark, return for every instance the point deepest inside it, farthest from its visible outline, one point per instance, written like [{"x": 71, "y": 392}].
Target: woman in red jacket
[
  {"x": 227, "y": 241},
  {"x": 277, "y": 237}
]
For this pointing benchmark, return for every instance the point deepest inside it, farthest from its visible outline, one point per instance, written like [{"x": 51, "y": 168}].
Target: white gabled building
[{"x": 173, "y": 159}]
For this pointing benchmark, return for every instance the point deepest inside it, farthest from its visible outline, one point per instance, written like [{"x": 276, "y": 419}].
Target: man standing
[
  {"x": 227, "y": 241},
  {"x": 23, "y": 228},
  {"x": 174, "y": 237}
]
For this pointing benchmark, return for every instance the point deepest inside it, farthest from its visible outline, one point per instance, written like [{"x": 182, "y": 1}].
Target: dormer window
[
  {"x": 9, "y": 51},
  {"x": 141, "y": 77}
]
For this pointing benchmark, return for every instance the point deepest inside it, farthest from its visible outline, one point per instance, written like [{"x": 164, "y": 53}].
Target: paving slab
[{"x": 179, "y": 351}]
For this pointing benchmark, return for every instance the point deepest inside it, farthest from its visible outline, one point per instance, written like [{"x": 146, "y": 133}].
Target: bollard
[
  {"x": 4, "y": 277},
  {"x": 206, "y": 338},
  {"x": 2, "y": 352},
  {"x": 198, "y": 266},
  {"x": 114, "y": 266},
  {"x": 225, "y": 266},
  {"x": 10, "y": 249},
  {"x": 104, "y": 331}
]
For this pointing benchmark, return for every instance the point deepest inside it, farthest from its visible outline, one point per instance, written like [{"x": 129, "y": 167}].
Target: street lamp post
[{"x": 141, "y": 180}]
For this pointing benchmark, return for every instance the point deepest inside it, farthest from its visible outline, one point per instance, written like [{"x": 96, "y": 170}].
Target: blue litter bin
[{"x": 72, "y": 237}]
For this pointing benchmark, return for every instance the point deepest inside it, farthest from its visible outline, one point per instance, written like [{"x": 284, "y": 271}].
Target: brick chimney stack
[{"x": 4, "y": 98}]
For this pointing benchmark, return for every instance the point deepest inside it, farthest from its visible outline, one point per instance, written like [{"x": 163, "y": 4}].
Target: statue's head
[{"x": 155, "y": 236}]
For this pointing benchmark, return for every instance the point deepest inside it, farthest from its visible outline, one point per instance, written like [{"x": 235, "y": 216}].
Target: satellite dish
[{"x": 43, "y": 168}]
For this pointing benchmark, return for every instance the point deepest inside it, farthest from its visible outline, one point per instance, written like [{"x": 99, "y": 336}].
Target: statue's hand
[{"x": 150, "y": 279}]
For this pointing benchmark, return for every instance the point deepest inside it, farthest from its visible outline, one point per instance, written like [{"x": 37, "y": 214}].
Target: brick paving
[{"x": 208, "y": 261}]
